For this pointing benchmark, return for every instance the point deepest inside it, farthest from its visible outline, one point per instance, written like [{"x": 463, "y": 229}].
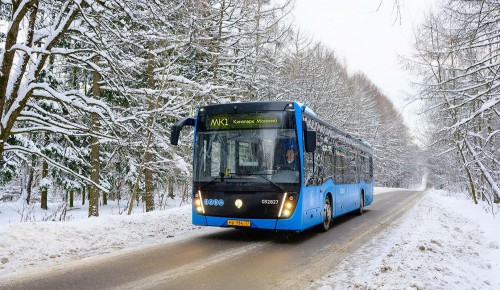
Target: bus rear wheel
[
  {"x": 327, "y": 215},
  {"x": 361, "y": 204}
]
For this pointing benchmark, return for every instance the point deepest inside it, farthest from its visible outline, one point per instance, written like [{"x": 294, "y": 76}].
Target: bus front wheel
[{"x": 327, "y": 215}]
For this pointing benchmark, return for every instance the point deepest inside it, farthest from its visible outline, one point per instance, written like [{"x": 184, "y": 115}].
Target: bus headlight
[
  {"x": 288, "y": 204},
  {"x": 198, "y": 202}
]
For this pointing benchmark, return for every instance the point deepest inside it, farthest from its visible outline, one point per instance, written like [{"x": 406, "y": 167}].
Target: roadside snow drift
[{"x": 443, "y": 243}]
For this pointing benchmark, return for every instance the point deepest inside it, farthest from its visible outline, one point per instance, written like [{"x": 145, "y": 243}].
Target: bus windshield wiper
[
  {"x": 213, "y": 180},
  {"x": 267, "y": 179}
]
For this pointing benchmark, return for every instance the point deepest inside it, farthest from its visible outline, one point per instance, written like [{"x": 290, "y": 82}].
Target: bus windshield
[{"x": 247, "y": 155}]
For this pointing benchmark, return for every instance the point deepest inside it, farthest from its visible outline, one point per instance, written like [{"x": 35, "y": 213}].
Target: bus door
[{"x": 352, "y": 180}]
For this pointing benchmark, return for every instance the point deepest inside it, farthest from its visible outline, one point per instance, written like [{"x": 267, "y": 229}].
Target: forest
[
  {"x": 90, "y": 88},
  {"x": 457, "y": 56}
]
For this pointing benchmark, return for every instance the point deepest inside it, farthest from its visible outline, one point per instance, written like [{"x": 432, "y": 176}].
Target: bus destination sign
[{"x": 245, "y": 121}]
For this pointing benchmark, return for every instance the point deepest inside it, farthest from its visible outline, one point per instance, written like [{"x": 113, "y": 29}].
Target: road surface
[{"x": 227, "y": 258}]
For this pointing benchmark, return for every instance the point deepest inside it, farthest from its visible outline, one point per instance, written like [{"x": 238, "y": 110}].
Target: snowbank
[
  {"x": 30, "y": 244},
  {"x": 443, "y": 243}
]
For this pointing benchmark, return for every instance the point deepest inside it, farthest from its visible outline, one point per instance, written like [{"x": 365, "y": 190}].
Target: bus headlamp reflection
[
  {"x": 287, "y": 205},
  {"x": 198, "y": 202}
]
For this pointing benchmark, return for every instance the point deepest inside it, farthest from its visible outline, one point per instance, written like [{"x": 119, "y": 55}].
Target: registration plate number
[{"x": 238, "y": 223}]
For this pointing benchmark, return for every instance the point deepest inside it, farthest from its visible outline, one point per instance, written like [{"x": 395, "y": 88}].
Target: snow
[
  {"x": 443, "y": 242},
  {"x": 29, "y": 245}
]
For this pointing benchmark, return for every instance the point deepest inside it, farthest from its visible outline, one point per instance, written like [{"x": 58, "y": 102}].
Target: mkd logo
[{"x": 219, "y": 122}]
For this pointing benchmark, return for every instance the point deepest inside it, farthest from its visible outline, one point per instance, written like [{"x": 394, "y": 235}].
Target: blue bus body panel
[
  {"x": 255, "y": 223},
  {"x": 294, "y": 223},
  {"x": 309, "y": 209},
  {"x": 354, "y": 193},
  {"x": 342, "y": 193},
  {"x": 198, "y": 219},
  {"x": 368, "y": 193},
  {"x": 313, "y": 201},
  {"x": 298, "y": 122},
  {"x": 308, "y": 213}
]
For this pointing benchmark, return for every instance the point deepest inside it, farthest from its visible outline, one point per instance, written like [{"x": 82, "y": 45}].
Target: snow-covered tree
[{"x": 457, "y": 56}]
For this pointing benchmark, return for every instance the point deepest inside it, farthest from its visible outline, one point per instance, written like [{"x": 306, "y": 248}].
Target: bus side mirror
[
  {"x": 177, "y": 127},
  {"x": 310, "y": 141}
]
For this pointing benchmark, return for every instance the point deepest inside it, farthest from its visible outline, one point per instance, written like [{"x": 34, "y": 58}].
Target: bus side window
[
  {"x": 348, "y": 168},
  {"x": 361, "y": 167},
  {"x": 354, "y": 166},
  {"x": 370, "y": 169},
  {"x": 339, "y": 164},
  {"x": 308, "y": 168},
  {"x": 366, "y": 169},
  {"x": 319, "y": 160},
  {"x": 328, "y": 159}
]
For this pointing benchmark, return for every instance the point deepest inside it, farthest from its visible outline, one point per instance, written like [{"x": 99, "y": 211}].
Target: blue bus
[{"x": 274, "y": 165}]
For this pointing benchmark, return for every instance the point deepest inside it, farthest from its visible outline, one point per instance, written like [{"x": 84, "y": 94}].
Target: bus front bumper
[{"x": 293, "y": 223}]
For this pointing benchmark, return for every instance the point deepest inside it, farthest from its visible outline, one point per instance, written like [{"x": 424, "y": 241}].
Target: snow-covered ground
[
  {"x": 442, "y": 243},
  {"x": 24, "y": 245}
]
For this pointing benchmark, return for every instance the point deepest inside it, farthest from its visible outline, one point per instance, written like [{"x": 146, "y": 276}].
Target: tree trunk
[
  {"x": 29, "y": 184},
  {"x": 472, "y": 188},
  {"x": 138, "y": 178},
  {"x": 71, "y": 196},
  {"x": 94, "y": 149},
  {"x": 8, "y": 58},
  {"x": 45, "y": 172},
  {"x": 171, "y": 187},
  {"x": 83, "y": 195},
  {"x": 148, "y": 197},
  {"x": 94, "y": 176}
]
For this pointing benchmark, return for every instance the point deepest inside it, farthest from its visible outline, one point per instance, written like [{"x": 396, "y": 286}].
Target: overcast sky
[{"x": 368, "y": 37}]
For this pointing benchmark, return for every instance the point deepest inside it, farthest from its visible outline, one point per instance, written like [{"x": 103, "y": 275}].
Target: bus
[{"x": 274, "y": 165}]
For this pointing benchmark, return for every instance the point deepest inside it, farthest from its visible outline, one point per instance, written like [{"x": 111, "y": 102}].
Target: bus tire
[
  {"x": 361, "y": 203},
  {"x": 327, "y": 214}
]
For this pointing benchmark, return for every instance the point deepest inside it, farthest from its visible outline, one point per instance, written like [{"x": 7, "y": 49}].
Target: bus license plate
[{"x": 238, "y": 223}]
